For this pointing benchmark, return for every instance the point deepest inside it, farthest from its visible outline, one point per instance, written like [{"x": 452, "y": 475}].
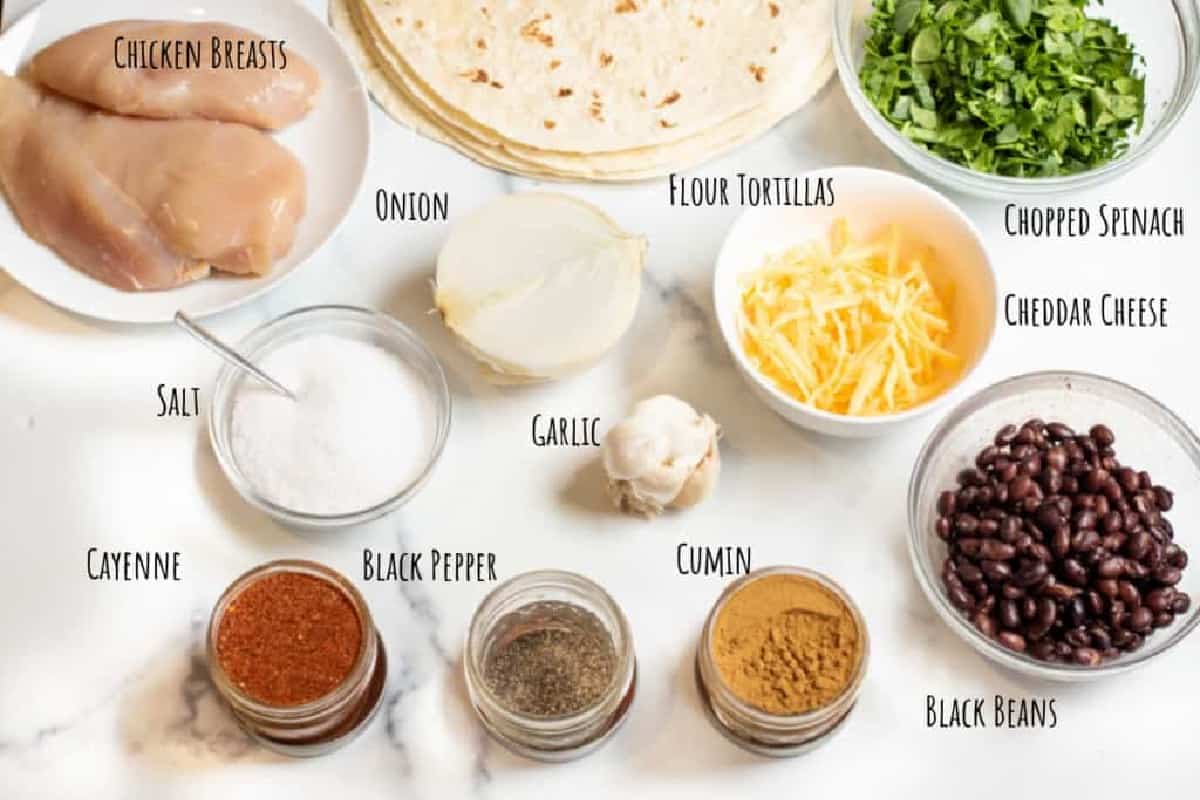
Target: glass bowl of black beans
[{"x": 1050, "y": 520}]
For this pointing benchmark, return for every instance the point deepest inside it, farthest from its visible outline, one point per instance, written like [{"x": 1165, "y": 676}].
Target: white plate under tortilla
[{"x": 332, "y": 143}]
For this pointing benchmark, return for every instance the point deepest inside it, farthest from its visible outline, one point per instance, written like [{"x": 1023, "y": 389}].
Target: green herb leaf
[
  {"x": 927, "y": 46},
  {"x": 1019, "y": 12},
  {"x": 906, "y": 15}
]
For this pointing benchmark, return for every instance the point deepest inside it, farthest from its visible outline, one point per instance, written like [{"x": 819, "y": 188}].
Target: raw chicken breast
[
  {"x": 83, "y": 66},
  {"x": 146, "y": 204}
]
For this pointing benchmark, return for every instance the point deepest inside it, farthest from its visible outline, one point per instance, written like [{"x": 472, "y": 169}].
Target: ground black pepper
[{"x": 550, "y": 659}]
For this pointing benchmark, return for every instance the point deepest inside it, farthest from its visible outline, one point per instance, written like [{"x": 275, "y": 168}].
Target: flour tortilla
[
  {"x": 382, "y": 75},
  {"x": 621, "y": 74}
]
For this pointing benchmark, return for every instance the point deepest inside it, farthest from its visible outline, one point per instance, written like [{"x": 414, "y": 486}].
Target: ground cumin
[{"x": 785, "y": 644}]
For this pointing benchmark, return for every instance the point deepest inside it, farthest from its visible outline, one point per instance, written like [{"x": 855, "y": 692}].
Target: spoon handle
[{"x": 229, "y": 354}]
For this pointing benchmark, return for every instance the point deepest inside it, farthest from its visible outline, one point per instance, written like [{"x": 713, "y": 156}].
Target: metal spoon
[{"x": 229, "y": 354}]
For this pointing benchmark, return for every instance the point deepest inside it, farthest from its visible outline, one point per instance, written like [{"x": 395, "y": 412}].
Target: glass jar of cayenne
[
  {"x": 781, "y": 660},
  {"x": 550, "y": 666},
  {"x": 293, "y": 651}
]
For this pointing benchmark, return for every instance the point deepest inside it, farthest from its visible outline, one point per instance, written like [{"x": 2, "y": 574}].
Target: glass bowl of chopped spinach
[{"x": 1001, "y": 98}]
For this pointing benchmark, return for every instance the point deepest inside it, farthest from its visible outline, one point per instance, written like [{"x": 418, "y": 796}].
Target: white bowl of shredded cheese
[{"x": 852, "y": 318}]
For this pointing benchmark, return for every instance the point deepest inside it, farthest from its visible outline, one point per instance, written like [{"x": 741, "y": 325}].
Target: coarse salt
[{"x": 361, "y": 429}]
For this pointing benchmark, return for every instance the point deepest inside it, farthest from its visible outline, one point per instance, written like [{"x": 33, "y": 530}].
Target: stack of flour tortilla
[{"x": 607, "y": 90}]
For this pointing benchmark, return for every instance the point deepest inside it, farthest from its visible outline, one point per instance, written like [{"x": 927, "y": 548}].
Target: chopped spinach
[{"x": 1025, "y": 88}]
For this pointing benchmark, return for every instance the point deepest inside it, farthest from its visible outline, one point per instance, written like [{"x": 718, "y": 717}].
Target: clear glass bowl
[
  {"x": 1165, "y": 32},
  {"x": 1149, "y": 437},
  {"x": 347, "y": 321}
]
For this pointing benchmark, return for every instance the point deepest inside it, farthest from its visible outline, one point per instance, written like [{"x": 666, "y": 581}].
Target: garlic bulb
[
  {"x": 663, "y": 455},
  {"x": 537, "y": 286}
]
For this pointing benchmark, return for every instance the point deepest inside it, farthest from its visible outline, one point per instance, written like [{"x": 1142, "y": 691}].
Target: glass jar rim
[
  {"x": 527, "y": 581},
  {"x": 757, "y": 716},
  {"x": 359, "y": 672}
]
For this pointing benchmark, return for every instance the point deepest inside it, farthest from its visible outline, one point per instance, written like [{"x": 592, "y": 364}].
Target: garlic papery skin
[
  {"x": 663, "y": 455},
  {"x": 538, "y": 286}
]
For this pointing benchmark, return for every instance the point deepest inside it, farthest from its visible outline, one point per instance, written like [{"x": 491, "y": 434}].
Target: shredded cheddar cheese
[{"x": 850, "y": 327}]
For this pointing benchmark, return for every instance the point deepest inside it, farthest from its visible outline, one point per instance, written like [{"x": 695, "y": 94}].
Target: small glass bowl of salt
[{"x": 369, "y": 422}]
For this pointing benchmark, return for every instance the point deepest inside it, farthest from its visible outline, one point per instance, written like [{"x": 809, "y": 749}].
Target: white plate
[{"x": 332, "y": 143}]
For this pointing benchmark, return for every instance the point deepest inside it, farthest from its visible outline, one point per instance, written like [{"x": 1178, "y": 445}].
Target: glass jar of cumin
[
  {"x": 781, "y": 661},
  {"x": 549, "y": 665},
  {"x": 294, "y": 652}
]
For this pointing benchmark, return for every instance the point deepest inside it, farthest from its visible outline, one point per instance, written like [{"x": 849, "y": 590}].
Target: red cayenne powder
[{"x": 288, "y": 639}]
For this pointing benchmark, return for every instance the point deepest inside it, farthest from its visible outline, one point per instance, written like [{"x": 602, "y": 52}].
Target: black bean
[
  {"x": 1076, "y": 612},
  {"x": 1160, "y": 600},
  {"x": 1085, "y": 541},
  {"x": 985, "y": 624},
  {"x": 1164, "y": 619},
  {"x": 1060, "y": 542},
  {"x": 1127, "y": 478},
  {"x": 942, "y": 529},
  {"x": 1013, "y": 641},
  {"x": 1031, "y": 573},
  {"x": 1181, "y": 604},
  {"x": 961, "y": 598},
  {"x": 1163, "y": 498},
  {"x": 1060, "y": 591},
  {"x": 1010, "y": 614},
  {"x": 996, "y": 550},
  {"x": 1111, "y": 567},
  {"x": 969, "y": 547},
  {"x": 970, "y": 477},
  {"x": 1044, "y": 651},
  {"x": 1095, "y": 480},
  {"x": 1006, "y": 435},
  {"x": 1078, "y": 637},
  {"x": 1141, "y": 620},
  {"x": 1168, "y": 576},
  {"x": 1010, "y": 591},
  {"x": 1020, "y": 487},
  {"x": 1074, "y": 572},
  {"x": 1129, "y": 594},
  {"x": 969, "y": 573},
  {"x": 996, "y": 570},
  {"x": 987, "y": 456},
  {"x": 1049, "y": 517},
  {"x": 1100, "y": 637},
  {"x": 1086, "y": 656},
  {"x": 1102, "y": 435},
  {"x": 1138, "y": 545}
]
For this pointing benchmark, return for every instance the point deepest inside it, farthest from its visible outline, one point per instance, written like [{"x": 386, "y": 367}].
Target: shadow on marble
[
  {"x": 173, "y": 720},
  {"x": 584, "y": 490}
]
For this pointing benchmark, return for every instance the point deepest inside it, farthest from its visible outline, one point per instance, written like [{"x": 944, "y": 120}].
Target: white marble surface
[{"x": 103, "y": 693}]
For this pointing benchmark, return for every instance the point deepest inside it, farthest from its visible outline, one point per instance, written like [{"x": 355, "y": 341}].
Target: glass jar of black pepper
[
  {"x": 285, "y": 710},
  {"x": 550, "y": 665}
]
